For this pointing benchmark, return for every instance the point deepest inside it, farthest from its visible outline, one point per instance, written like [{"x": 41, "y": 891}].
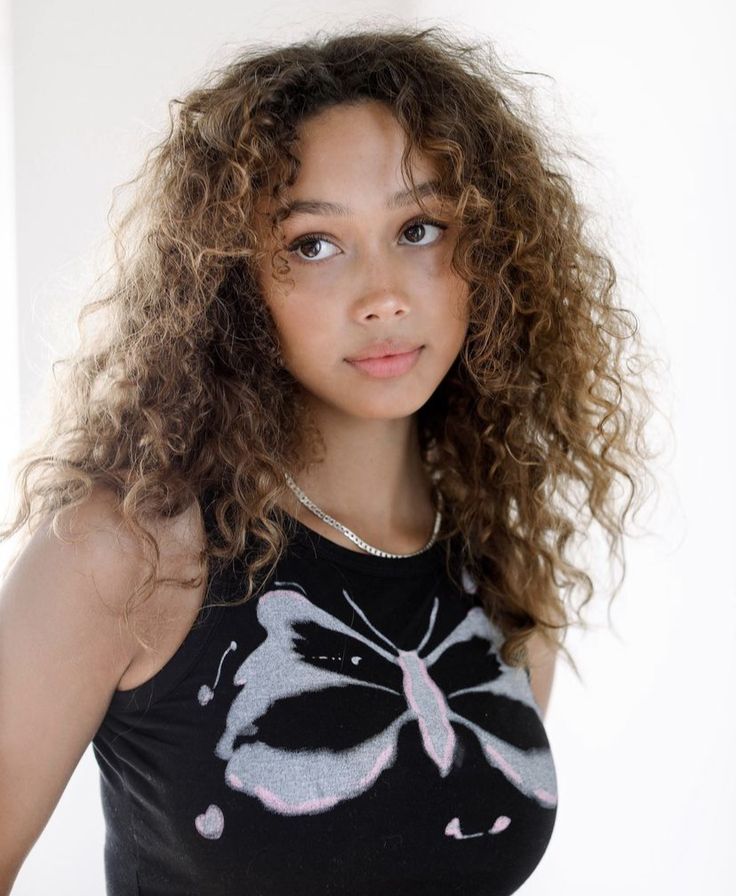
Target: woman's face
[{"x": 374, "y": 274}]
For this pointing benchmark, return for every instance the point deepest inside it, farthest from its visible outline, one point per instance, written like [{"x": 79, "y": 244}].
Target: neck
[{"x": 368, "y": 476}]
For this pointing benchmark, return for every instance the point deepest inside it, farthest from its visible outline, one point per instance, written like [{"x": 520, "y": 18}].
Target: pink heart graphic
[{"x": 212, "y": 823}]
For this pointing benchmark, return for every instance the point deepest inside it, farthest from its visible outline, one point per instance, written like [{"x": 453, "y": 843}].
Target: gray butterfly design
[{"x": 308, "y": 781}]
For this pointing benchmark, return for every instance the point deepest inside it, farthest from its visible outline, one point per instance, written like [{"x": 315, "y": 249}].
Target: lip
[
  {"x": 384, "y": 348},
  {"x": 390, "y": 365}
]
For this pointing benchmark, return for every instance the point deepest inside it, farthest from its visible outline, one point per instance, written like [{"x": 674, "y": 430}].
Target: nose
[
  {"x": 382, "y": 306},
  {"x": 380, "y": 292}
]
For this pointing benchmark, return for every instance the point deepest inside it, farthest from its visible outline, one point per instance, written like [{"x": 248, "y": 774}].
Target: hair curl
[{"x": 181, "y": 395}]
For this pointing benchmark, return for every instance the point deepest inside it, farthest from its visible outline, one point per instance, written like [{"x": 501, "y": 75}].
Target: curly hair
[{"x": 180, "y": 397}]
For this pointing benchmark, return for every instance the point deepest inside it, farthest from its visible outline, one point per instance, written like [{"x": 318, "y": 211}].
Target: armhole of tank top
[
  {"x": 137, "y": 700},
  {"x": 140, "y": 698}
]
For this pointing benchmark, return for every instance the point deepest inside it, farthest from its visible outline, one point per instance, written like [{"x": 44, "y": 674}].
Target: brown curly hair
[{"x": 180, "y": 396}]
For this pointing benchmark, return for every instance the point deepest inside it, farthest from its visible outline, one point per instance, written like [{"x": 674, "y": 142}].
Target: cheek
[
  {"x": 450, "y": 299},
  {"x": 306, "y": 332},
  {"x": 462, "y": 304},
  {"x": 440, "y": 278},
  {"x": 456, "y": 316}
]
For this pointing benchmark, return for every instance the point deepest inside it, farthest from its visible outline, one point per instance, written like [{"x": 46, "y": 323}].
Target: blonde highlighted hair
[{"x": 181, "y": 398}]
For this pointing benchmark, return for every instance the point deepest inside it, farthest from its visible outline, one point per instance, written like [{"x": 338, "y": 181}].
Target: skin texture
[{"x": 376, "y": 276}]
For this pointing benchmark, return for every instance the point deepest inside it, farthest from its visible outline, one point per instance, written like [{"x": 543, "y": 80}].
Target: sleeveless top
[{"x": 350, "y": 729}]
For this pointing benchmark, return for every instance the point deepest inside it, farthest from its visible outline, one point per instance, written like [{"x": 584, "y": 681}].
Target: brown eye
[
  {"x": 312, "y": 242},
  {"x": 306, "y": 246},
  {"x": 420, "y": 226},
  {"x": 416, "y": 228}
]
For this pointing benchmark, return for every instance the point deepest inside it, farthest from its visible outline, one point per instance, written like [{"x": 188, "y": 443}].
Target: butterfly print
[{"x": 312, "y": 780}]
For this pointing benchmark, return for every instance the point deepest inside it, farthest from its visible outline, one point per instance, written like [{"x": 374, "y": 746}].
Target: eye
[
  {"x": 422, "y": 224},
  {"x": 313, "y": 241},
  {"x": 309, "y": 241}
]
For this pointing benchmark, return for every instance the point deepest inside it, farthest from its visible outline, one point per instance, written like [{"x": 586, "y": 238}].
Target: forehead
[
  {"x": 354, "y": 152},
  {"x": 399, "y": 199}
]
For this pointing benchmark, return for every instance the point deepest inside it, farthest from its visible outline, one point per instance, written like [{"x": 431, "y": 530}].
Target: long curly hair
[{"x": 180, "y": 396}]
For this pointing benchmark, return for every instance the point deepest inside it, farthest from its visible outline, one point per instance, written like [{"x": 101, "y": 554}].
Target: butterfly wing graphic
[
  {"x": 306, "y": 781},
  {"x": 531, "y": 771},
  {"x": 288, "y": 781}
]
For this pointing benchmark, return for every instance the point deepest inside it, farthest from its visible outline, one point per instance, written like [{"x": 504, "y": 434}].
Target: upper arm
[
  {"x": 63, "y": 649},
  {"x": 541, "y": 662}
]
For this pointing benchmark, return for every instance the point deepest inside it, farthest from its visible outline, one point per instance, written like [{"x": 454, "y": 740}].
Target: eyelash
[{"x": 321, "y": 237}]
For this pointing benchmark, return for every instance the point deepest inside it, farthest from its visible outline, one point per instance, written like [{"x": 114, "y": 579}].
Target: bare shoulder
[
  {"x": 61, "y": 604},
  {"x": 164, "y": 618},
  {"x": 93, "y": 543},
  {"x": 107, "y": 548}
]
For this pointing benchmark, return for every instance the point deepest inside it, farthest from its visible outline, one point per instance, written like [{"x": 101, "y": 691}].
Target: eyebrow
[{"x": 397, "y": 200}]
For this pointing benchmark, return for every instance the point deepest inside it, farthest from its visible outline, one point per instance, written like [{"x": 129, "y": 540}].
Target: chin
[{"x": 385, "y": 407}]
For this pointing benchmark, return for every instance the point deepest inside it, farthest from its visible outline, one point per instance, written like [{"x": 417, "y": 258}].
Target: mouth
[{"x": 388, "y": 365}]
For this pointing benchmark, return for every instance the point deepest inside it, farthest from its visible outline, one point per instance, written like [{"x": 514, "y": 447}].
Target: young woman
[{"x": 298, "y": 529}]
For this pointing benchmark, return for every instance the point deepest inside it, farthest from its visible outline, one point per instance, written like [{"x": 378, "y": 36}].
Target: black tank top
[{"x": 350, "y": 729}]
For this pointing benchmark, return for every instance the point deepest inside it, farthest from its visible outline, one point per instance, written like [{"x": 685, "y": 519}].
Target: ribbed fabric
[{"x": 351, "y": 729}]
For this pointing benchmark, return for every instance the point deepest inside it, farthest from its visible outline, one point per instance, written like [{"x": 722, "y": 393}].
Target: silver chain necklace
[{"x": 351, "y": 535}]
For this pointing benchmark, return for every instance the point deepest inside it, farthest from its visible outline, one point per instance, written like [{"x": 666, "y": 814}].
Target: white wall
[
  {"x": 646, "y": 92},
  {"x": 9, "y": 405}
]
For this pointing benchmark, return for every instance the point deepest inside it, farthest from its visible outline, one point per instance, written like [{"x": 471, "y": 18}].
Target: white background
[{"x": 646, "y": 92}]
